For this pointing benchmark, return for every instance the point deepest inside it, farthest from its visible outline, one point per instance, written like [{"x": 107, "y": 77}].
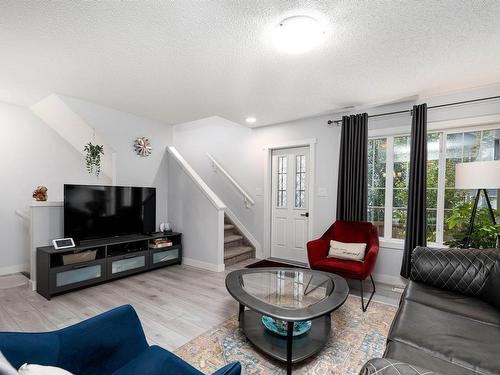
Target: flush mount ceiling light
[
  {"x": 298, "y": 34},
  {"x": 251, "y": 120}
]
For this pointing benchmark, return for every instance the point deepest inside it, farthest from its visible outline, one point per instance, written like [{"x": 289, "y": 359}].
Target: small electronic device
[{"x": 63, "y": 243}]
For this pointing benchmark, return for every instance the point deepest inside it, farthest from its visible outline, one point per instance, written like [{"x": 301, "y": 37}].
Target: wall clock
[{"x": 142, "y": 146}]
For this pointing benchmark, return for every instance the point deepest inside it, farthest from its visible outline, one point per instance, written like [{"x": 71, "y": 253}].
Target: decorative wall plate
[{"x": 142, "y": 146}]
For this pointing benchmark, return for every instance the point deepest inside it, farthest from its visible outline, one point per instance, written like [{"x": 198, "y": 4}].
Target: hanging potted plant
[{"x": 93, "y": 158}]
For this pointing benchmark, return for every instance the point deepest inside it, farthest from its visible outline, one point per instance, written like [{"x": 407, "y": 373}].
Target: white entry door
[{"x": 290, "y": 204}]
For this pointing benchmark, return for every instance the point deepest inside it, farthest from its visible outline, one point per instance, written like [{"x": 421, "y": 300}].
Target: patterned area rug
[{"x": 355, "y": 338}]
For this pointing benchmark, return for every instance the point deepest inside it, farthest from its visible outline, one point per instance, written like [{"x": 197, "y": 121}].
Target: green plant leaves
[
  {"x": 93, "y": 158},
  {"x": 484, "y": 233}
]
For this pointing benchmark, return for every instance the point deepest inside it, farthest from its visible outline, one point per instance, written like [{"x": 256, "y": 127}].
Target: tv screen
[{"x": 92, "y": 211}]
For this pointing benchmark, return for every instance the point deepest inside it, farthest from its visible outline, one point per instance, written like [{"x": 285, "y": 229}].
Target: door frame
[{"x": 311, "y": 143}]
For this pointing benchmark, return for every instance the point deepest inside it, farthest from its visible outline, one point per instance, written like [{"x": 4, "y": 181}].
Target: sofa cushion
[
  {"x": 417, "y": 357},
  {"x": 455, "y": 338},
  {"x": 459, "y": 270},
  {"x": 40, "y": 348},
  {"x": 157, "y": 361},
  {"x": 491, "y": 290},
  {"x": 456, "y": 303},
  {"x": 345, "y": 250}
]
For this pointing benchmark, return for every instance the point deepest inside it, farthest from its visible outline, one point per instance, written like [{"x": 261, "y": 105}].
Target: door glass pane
[
  {"x": 377, "y": 150},
  {"x": 300, "y": 181},
  {"x": 282, "y": 176}
]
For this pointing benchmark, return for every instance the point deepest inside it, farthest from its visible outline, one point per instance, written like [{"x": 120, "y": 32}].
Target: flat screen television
[{"x": 93, "y": 211}]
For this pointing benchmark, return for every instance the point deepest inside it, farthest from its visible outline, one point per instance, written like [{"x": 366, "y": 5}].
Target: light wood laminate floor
[{"x": 175, "y": 304}]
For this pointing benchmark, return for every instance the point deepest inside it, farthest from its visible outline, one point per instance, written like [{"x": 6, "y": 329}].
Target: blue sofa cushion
[
  {"x": 102, "y": 344},
  {"x": 110, "y": 343},
  {"x": 36, "y": 348},
  {"x": 99, "y": 345},
  {"x": 157, "y": 361}
]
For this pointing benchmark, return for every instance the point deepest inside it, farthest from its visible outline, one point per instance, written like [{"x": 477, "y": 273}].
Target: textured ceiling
[{"x": 182, "y": 60}]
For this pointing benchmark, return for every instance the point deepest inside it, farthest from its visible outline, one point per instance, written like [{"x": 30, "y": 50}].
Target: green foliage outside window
[
  {"x": 455, "y": 206},
  {"x": 484, "y": 234}
]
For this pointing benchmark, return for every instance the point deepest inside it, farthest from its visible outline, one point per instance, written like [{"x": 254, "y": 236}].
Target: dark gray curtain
[
  {"x": 352, "y": 192},
  {"x": 416, "y": 221}
]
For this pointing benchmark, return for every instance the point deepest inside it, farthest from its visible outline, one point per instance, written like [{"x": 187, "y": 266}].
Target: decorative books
[{"x": 160, "y": 243}]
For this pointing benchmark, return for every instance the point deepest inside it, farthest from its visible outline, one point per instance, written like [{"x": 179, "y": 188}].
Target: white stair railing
[
  {"x": 247, "y": 199},
  {"x": 195, "y": 210},
  {"x": 197, "y": 179}
]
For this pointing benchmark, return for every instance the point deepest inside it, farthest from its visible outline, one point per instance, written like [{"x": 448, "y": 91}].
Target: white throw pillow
[
  {"x": 42, "y": 370},
  {"x": 349, "y": 251},
  {"x": 5, "y": 367}
]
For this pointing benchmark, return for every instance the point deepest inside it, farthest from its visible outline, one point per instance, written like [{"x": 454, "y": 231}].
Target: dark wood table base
[{"x": 287, "y": 349}]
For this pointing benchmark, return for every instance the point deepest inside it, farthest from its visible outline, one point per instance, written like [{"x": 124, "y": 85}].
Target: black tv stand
[{"x": 115, "y": 257}]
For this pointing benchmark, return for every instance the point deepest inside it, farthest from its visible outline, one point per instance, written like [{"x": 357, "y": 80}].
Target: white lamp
[{"x": 480, "y": 175}]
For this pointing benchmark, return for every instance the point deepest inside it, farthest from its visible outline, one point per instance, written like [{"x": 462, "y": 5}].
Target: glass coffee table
[{"x": 288, "y": 309}]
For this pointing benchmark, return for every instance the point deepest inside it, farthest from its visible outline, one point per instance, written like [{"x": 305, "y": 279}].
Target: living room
[{"x": 247, "y": 187}]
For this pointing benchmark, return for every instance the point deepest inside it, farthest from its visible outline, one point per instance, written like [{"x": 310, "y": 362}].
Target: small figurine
[{"x": 40, "y": 194}]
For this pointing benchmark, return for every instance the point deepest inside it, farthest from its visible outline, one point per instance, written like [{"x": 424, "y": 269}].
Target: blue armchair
[{"x": 111, "y": 343}]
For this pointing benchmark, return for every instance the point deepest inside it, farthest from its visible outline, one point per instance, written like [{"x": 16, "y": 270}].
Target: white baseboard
[
  {"x": 396, "y": 281},
  {"x": 246, "y": 232},
  {"x": 203, "y": 265},
  {"x": 14, "y": 269}
]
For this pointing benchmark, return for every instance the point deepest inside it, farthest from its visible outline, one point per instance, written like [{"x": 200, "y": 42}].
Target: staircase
[{"x": 236, "y": 247}]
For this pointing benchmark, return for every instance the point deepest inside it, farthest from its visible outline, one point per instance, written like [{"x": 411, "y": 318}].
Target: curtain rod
[{"x": 337, "y": 122}]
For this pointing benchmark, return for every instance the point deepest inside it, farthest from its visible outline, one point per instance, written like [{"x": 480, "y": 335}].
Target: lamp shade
[{"x": 478, "y": 175}]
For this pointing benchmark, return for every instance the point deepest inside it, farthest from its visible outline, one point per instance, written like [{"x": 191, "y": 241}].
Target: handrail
[
  {"x": 214, "y": 199},
  {"x": 247, "y": 199}
]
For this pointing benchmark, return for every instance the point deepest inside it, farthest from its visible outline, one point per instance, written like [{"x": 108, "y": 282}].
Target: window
[
  {"x": 388, "y": 166},
  {"x": 282, "y": 176},
  {"x": 377, "y": 149},
  {"x": 401, "y": 152},
  {"x": 300, "y": 181},
  {"x": 462, "y": 148}
]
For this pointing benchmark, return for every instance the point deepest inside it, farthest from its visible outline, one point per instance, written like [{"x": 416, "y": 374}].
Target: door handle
[{"x": 305, "y": 215}]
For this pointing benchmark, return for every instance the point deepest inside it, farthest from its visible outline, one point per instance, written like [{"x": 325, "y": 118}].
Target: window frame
[{"x": 386, "y": 239}]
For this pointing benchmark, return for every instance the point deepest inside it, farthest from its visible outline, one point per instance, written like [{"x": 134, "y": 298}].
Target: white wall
[
  {"x": 120, "y": 129},
  {"x": 33, "y": 154},
  {"x": 201, "y": 222},
  {"x": 241, "y": 151}
]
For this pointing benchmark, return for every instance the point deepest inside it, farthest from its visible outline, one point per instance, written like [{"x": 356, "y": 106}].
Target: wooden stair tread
[
  {"x": 228, "y": 226},
  {"x": 237, "y": 251},
  {"x": 232, "y": 238}
]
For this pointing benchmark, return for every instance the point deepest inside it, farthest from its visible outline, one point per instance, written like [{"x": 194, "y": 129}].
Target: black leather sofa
[{"x": 448, "y": 321}]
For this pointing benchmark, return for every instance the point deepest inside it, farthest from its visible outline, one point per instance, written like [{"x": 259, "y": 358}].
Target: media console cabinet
[{"x": 115, "y": 257}]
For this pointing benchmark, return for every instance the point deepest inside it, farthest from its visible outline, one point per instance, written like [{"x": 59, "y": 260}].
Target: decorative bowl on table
[{"x": 280, "y": 326}]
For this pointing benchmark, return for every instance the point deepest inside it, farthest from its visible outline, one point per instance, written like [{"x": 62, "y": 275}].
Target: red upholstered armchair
[{"x": 347, "y": 231}]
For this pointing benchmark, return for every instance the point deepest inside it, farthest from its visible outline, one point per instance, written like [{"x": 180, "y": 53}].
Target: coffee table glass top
[
  {"x": 290, "y": 294},
  {"x": 297, "y": 289}
]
